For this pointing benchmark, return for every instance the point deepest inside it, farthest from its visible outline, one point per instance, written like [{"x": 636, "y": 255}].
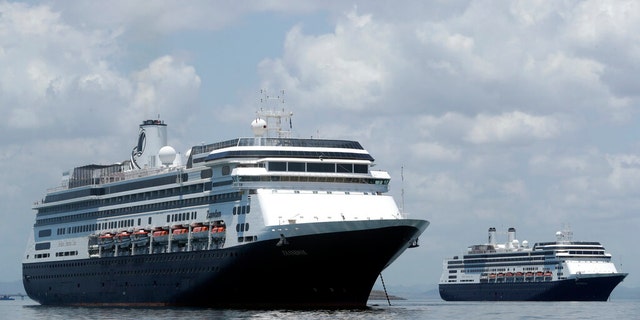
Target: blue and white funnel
[{"x": 152, "y": 137}]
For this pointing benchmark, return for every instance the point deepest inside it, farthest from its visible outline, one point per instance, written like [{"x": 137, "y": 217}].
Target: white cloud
[
  {"x": 517, "y": 188},
  {"x": 542, "y": 164},
  {"x": 625, "y": 173},
  {"x": 62, "y": 74},
  {"x": 45, "y": 62},
  {"x": 435, "y": 151},
  {"x": 166, "y": 87},
  {"x": 512, "y": 127},
  {"x": 444, "y": 187},
  {"x": 594, "y": 21},
  {"x": 336, "y": 70}
]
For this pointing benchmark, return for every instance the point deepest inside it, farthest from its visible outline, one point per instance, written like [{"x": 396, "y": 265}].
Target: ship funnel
[
  {"x": 492, "y": 236},
  {"x": 151, "y": 138},
  {"x": 511, "y": 235}
]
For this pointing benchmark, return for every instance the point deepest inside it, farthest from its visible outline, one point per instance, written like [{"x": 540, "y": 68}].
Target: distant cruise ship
[
  {"x": 260, "y": 222},
  {"x": 563, "y": 270}
]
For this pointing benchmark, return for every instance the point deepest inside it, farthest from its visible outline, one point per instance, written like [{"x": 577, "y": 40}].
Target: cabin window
[
  {"x": 43, "y": 246},
  {"x": 360, "y": 168},
  {"x": 44, "y": 233},
  {"x": 204, "y": 174},
  {"x": 321, "y": 167},
  {"x": 277, "y": 166},
  {"x": 297, "y": 166},
  {"x": 344, "y": 167}
]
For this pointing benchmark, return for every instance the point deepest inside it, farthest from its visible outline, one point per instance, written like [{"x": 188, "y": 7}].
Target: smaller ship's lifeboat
[{"x": 509, "y": 277}]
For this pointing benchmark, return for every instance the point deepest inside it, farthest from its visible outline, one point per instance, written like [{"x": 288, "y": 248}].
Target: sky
[{"x": 501, "y": 114}]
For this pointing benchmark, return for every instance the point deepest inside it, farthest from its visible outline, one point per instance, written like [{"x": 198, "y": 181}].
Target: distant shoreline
[{"x": 380, "y": 295}]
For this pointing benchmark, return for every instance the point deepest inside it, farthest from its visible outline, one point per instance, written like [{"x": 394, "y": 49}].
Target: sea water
[{"x": 380, "y": 310}]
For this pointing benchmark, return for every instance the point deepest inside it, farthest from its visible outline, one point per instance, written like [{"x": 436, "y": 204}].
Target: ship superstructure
[
  {"x": 563, "y": 270},
  {"x": 264, "y": 221}
]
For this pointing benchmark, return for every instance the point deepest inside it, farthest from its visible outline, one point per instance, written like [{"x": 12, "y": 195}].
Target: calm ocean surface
[{"x": 380, "y": 310}]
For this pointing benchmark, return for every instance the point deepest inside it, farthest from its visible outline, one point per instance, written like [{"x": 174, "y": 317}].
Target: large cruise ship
[
  {"x": 563, "y": 270},
  {"x": 262, "y": 222}
]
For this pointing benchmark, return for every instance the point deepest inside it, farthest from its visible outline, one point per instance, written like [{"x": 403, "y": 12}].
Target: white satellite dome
[
  {"x": 167, "y": 155},
  {"x": 259, "y": 127}
]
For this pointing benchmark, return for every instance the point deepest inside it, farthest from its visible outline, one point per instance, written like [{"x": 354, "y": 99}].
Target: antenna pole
[{"x": 402, "y": 188}]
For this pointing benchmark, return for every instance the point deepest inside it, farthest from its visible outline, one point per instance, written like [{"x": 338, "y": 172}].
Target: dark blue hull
[
  {"x": 331, "y": 270},
  {"x": 593, "y": 288}
]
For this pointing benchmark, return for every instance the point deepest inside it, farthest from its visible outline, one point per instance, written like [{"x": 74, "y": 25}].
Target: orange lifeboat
[
  {"x": 106, "y": 236},
  {"x": 180, "y": 231},
  {"x": 159, "y": 233},
  {"x": 200, "y": 229},
  {"x": 123, "y": 234}
]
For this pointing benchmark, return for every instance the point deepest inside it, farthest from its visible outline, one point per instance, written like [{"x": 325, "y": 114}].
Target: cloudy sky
[{"x": 485, "y": 113}]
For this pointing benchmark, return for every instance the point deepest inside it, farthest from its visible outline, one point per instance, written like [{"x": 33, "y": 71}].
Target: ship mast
[{"x": 275, "y": 116}]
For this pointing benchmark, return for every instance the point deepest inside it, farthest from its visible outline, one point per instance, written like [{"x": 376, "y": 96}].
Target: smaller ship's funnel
[
  {"x": 492, "y": 236},
  {"x": 511, "y": 235}
]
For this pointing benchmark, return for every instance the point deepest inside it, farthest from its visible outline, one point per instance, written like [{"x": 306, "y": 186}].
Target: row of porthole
[
  {"x": 164, "y": 258},
  {"x": 242, "y": 227},
  {"x": 139, "y": 272},
  {"x": 182, "y": 216},
  {"x": 66, "y": 253},
  {"x": 241, "y": 210}
]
